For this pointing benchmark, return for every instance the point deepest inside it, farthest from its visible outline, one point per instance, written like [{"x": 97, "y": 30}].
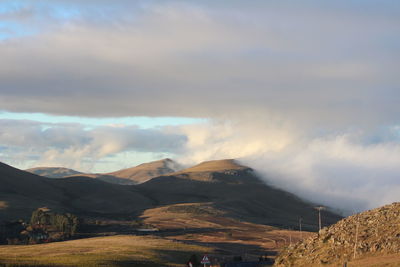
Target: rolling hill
[
  {"x": 129, "y": 176},
  {"x": 236, "y": 190},
  {"x": 22, "y": 192},
  {"x": 222, "y": 205},
  {"x": 227, "y": 170},
  {"x": 147, "y": 171},
  {"x": 227, "y": 185}
]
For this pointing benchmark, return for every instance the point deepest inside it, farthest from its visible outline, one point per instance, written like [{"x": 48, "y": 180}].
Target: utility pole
[
  {"x": 319, "y": 208},
  {"x": 301, "y": 233}
]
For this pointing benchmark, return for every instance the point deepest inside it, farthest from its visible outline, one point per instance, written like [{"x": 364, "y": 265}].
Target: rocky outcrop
[{"x": 360, "y": 235}]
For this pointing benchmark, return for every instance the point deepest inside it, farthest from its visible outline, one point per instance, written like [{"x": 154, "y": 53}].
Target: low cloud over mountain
[{"x": 305, "y": 93}]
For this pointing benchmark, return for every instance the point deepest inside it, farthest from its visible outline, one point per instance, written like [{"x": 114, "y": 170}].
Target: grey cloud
[
  {"x": 289, "y": 86},
  {"x": 176, "y": 59}
]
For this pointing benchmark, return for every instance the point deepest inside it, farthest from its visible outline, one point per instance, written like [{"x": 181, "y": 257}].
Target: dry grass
[
  {"x": 214, "y": 166},
  {"x": 373, "y": 260},
  {"x": 207, "y": 226},
  {"x": 391, "y": 260},
  {"x": 192, "y": 228},
  {"x": 102, "y": 251},
  {"x": 3, "y": 205}
]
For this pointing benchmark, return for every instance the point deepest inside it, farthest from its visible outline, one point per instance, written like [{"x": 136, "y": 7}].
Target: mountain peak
[
  {"x": 225, "y": 170},
  {"x": 216, "y": 166},
  {"x": 145, "y": 171}
]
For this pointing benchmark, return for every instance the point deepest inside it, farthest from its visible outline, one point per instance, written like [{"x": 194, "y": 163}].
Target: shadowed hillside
[
  {"x": 238, "y": 191},
  {"x": 22, "y": 192},
  {"x": 229, "y": 186}
]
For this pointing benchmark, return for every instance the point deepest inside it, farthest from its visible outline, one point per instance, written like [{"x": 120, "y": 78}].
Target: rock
[{"x": 378, "y": 231}]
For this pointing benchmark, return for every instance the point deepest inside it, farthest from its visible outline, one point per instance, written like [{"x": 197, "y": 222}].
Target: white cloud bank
[
  {"x": 348, "y": 171},
  {"x": 351, "y": 171}
]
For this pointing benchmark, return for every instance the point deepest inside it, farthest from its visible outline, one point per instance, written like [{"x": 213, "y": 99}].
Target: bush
[{"x": 67, "y": 224}]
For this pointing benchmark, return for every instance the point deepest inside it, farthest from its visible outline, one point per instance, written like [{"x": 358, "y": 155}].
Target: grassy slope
[
  {"x": 253, "y": 202},
  {"x": 201, "y": 223},
  {"x": 186, "y": 229},
  {"x": 231, "y": 188},
  {"x": 22, "y": 192},
  {"x": 145, "y": 171},
  {"x": 214, "y": 166},
  {"x": 103, "y": 251},
  {"x": 379, "y": 260}
]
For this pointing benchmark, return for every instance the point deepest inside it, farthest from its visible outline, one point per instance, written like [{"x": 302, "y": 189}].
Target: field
[
  {"x": 184, "y": 230},
  {"x": 203, "y": 225},
  {"x": 102, "y": 251}
]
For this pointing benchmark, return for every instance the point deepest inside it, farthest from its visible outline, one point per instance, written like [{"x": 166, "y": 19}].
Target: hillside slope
[
  {"x": 236, "y": 190},
  {"x": 226, "y": 170},
  {"x": 129, "y": 176},
  {"x": 22, "y": 192},
  {"x": 227, "y": 185},
  {"x": 147, "y": 171},
  {"x": 111, "y": 251},
  {"x": 365, "y": 235}
]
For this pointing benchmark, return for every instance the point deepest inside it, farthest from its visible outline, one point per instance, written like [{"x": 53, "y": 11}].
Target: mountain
[
  {"x": 22, "y": 192},
  {"x": 364, "y": 239},
  {"x": 215, "y": 166},
  {"x": 237, "y": 191},
  {"x": 225, "y": 185},
  {"x": 53, "y": 172},
  {"x": 147, "y": 171},
  {"x": 129, "y": 176},
  {"x": 215, "y": 170}
]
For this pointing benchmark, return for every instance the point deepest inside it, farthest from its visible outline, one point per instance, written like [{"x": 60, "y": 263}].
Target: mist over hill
[{"x": 229, "y": 186}]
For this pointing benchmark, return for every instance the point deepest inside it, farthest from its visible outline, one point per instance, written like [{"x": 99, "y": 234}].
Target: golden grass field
[
  {"x": 102, "y": 251},
  {"x": 186, "y": 229},
  {"x": 207, "y": 226}
]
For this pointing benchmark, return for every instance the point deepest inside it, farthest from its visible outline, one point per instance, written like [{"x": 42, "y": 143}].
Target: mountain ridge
[
  {"x": 238, "y": 192},
  {"x": 54, "y": 172},
  {"x": 128, "y": 176}
]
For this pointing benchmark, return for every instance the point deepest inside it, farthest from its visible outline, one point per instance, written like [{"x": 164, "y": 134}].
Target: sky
[{"x": 305, "y": 92}]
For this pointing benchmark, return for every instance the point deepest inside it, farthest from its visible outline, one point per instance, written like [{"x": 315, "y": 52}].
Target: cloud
[
  {"x": 307, "y": 93},
  {"x": 72, "y": 145},
  {"x": 341, "y": 170},
  {"x": 317, "y": 64}
]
